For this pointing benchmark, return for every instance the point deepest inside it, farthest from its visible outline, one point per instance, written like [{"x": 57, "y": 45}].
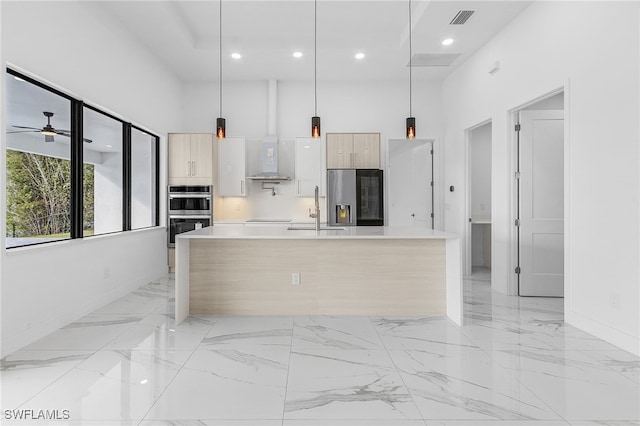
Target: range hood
[{"x": 269, "y": 156}]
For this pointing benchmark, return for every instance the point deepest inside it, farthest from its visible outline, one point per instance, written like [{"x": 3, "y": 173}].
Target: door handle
[{"x": 413, "y": 215}]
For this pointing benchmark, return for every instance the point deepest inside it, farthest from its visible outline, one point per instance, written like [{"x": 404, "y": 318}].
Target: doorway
[
  {"x": 410, "y": 182},
  {"x": 539, "y": 174},
  {"x": 478, "y": 230}
]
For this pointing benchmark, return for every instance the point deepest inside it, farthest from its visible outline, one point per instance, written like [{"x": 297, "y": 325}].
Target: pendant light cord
[
  {"x": 315, "y": 55},
  {"x": 410, "y": 63},
  {"x": 220, "y": 58}
]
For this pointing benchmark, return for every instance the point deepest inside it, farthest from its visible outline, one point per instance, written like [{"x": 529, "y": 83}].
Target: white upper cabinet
[
  {"x": 308, "y": 164},
  {"x": 232, "y": 167},
  {"x": 191, "y": 159},
  {"x": 353, "y": 151}
]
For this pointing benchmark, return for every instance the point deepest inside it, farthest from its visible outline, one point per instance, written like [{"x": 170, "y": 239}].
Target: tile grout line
[
  {"x": 179, "y": 370},
  {"x": 395, "y": 367},
  {"x": 489, "y": 354},
  {"x": 286, "y": 384}
]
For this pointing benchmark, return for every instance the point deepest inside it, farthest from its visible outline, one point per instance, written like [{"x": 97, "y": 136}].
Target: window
[
  {"x": 144, "y": 187},
  {"x": 74, "y": 171},
  {"x": 102, "y": 177},
  {"x": 38, "y": 164}
]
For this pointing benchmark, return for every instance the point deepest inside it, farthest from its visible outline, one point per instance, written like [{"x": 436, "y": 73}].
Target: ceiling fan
[{"x": 48, "y": 130}]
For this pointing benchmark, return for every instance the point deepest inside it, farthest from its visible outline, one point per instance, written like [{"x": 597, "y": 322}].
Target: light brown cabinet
[
  {"x": 191, "y": 158},
  {"x": 353, "y": 150}
]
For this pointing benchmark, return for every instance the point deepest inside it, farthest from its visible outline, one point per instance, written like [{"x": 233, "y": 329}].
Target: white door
[
  {"x": 410, "y": 176},
  {"x": 541, "y": 207}
]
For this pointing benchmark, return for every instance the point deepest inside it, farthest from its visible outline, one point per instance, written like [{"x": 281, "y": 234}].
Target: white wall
[
  {"x": 377, "y": 107},
  {"x": 480, "y": 155},
  {"x": 592, "y": 49},
  {"x": 46, "y": 287},
  {"x": 480, "y": 163}
]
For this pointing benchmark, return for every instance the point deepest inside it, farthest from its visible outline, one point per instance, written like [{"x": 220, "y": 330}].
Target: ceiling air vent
[{"x": 462, "y": 17}]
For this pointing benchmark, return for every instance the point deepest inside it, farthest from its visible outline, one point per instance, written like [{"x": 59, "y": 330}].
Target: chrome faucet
[{"x": 316, "y": 215}]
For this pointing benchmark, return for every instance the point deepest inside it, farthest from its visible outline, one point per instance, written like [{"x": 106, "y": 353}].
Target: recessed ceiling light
[
  {"x": 144, "y": 382},
  {"x": 236, "y": 55},
  {"x": 360, "y": 55},
  {"x": 109, "y": 146},
  {"x": 297, "y": 54},
  {"x": 447, "y": 41}
]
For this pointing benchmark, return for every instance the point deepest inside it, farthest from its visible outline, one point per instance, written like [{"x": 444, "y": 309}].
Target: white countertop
[{"x": 281, "y": 232}]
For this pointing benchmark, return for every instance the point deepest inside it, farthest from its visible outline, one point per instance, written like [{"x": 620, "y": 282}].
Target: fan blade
[
  {"x": 24, "y": 131},
  {"x": 67, "y": 133},
  {"x": 48, "y": 138},
  {"x": 26, "y": 127}
]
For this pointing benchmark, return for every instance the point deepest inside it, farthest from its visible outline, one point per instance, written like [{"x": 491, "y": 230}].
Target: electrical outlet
[
  {"x": 295, "y": 278},
  {"x": 614, "y": 300}
]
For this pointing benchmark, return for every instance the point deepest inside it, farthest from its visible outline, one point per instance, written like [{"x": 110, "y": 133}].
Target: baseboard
[{"x": 607, "y": 333}]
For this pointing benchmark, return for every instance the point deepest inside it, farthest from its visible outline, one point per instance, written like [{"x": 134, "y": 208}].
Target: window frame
[{"x": 77, "y": 164}]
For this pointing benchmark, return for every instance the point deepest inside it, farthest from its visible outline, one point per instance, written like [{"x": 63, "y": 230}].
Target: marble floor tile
[
  {"x": 245, "y": 383},
  {"x": 241, "y": 331},
  {"x": 604, "y": 423},
  {"x": 168, "y": 308},
  {"x": 352, "y": 422},
  {"x": 110, "y": 422},
  {"x": 113, "y": 385},
  {"x": 24, "y": 374},
  {"x": 330, "y": 332},
  {"x": 190, "y": 324},
  {"x": 514, "y": 363},
  {"x": 574, "y": 385},
  {"x": 91, "y": 332},
  {"x": 466, "y": 385},
  {"x": 620, "y": 361},
  {"x": 159, "y": 331},
  {"x": 138, "y": 304},
  {"x": 497, "y": 423},
  {"x": 496, "y": 336},
  {"x": 436, "y": 334},
  {"x": 346, "y": 384},
  {"x": 226, "y": 422}
]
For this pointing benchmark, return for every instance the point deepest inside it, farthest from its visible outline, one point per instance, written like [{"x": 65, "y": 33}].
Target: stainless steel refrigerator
[{"x": 355, "y": 197}]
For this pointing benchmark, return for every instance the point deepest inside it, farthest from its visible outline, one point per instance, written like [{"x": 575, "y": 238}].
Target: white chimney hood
[
  {"x": 270, "y": 143},
  {"x": 269, "y": 161}
]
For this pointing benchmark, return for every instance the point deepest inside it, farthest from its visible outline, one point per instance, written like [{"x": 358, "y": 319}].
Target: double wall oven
[{"x": 189, "y": 207}]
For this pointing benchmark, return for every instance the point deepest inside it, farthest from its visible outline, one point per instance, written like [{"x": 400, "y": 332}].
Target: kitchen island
[{"x": 270, "y": 270}]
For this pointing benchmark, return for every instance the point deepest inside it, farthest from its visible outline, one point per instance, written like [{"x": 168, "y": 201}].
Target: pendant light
[
  {"x": 411, "y": 120},
  {"x": 315, "y": 120},
  {"x": 221, "y": 125}
]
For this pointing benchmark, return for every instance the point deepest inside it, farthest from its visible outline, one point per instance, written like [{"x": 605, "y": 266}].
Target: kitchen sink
[{"x": 311, "y": 228}]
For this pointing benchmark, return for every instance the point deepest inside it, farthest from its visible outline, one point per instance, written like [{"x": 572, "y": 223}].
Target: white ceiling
[{"x": 184, "y": 35}]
